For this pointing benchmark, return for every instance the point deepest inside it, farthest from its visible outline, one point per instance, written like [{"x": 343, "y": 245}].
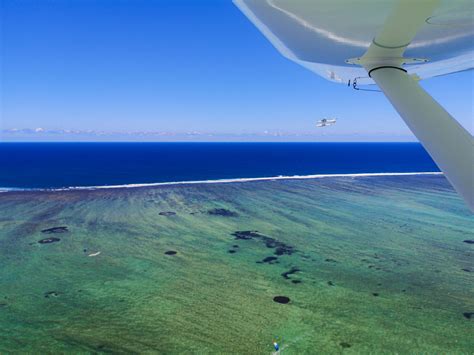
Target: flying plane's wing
[{"x": 393, "y": 43}]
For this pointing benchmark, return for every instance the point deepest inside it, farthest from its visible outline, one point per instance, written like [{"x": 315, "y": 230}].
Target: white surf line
[
  {"x": 94, "y": 254},
  {"x": 224, "y": 181},
  {"x": 10, "y": 189},
  {"x": 237, "y": 180}
]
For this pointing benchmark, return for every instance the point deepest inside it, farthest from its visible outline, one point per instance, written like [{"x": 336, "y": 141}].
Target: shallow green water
[{"x": 381, "y": 264}]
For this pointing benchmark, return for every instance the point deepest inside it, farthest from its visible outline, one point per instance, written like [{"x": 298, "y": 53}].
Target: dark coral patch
[
  {"x": 281, "y": 299},
  {"x": 269, "y": 260},
  {"x": 246, "y": 235},
  {"x": 270, "y": 243},
  {"x": 466, "y": 270},
  {"x": 345, "y": 345},
  {"x": 280, "y": 247},
  {"x": 231, "y": 251},
  {"x": 469, "y": 241},
  {"x": 171, "y": 252},
  {"x": 222, "y": 212},
  {"x": 55, "y": 230},
  {"x": 49, "y": 240},
  {"x": 235, "y": 246},
  {"x": 287, "y": 274},
  {"x": 283, "y": 249},
  {"x": 51, "y": 294},
  {"x": 330, "y": 283},
  {"x": 167, "y": 213},
  {"x": 375, "y": 294},
  {"x": 296, "y": 281},
  {"x": 329, "y": 260},
  {"x": 468, "y": 315}
]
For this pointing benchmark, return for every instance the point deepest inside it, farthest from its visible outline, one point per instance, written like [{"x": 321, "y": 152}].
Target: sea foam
[{"x": 222, "y": 181}]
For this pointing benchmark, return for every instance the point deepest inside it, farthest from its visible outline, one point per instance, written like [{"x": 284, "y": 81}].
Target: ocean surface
[
  {"x": 366, "y": 260},
  {"x": 58, "y": 165}
]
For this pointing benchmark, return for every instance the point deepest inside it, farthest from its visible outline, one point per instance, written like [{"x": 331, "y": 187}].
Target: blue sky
[{"x": 174, "y": 67}]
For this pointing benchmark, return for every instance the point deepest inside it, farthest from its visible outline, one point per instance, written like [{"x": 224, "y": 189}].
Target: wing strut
[{"x": 448, "y": 143}]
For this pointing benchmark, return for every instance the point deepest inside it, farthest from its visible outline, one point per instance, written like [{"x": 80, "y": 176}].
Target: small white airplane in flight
[
  {"x": 326, "y": 122},
  {"x": 404, "y": 42}
]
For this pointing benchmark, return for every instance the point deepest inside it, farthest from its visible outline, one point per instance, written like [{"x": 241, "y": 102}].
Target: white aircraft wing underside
[{"x": 322, "y": 35}]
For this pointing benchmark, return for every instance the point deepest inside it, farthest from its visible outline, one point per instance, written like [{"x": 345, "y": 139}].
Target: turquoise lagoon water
[{"x": 369, "y": 264}]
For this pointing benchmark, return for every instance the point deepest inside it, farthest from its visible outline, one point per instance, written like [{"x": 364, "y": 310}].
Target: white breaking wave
[{"x": 221, "y": 181}]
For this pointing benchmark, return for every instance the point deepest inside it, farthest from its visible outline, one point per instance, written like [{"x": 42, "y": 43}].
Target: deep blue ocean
[{"x": 54, "y": 165}]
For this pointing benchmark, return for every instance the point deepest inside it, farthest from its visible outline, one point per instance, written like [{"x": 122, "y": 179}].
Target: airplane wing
[
  {"x": 393, "y": 43},
  {"x": 322, "y": 35}
]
